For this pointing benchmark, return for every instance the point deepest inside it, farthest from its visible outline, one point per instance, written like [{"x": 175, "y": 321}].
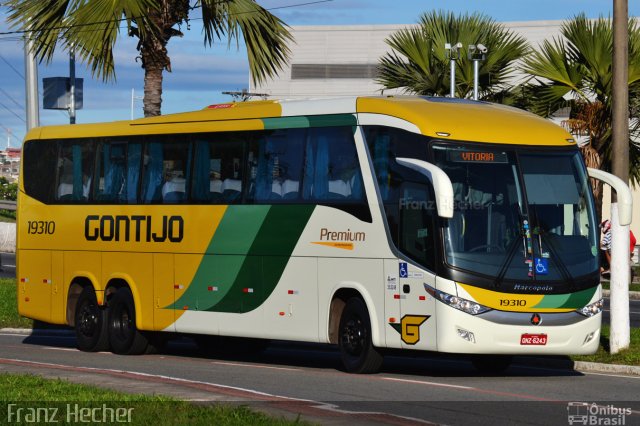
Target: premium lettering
[
  {"x": 134, "y": 228},
  {"x": 348, "y": 235}
]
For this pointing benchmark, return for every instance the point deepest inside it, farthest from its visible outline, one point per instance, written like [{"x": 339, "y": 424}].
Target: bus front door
[{"x": 417, "y": 308}]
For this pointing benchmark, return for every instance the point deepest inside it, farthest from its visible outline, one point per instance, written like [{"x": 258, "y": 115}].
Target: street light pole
[
  {"x": 477, "y": 53},
  {"x": 31, "y": 83},
  {"x": 620, "y": 327},
  {"x": 453, "y": 53}
]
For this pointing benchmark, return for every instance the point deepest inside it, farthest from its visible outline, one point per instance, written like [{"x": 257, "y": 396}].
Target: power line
[
  {"x": 12, "y": 112},
  {"x": 11, "y": 98},
  {"x": 66, "y": 27},
  {"x": 12, "y": 67}
]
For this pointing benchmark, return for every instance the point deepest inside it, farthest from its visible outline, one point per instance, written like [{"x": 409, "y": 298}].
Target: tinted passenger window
[
  {"x": 39, "y": 160},
  {"x": 75, "y": 170},
  {"x": 118, "y": 171}
]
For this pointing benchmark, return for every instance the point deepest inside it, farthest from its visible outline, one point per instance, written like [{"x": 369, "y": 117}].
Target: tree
[
  {"x": 92, "y": 28},
  {"x": 418, "y": 62},
  {"x": 575, "y": 70}
]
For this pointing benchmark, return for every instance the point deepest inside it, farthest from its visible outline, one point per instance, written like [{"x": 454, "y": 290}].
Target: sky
[{"x": 199, "y": 74}]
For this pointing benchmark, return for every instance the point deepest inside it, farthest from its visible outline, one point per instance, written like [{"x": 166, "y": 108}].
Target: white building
[{"x": 330, "y": 61}]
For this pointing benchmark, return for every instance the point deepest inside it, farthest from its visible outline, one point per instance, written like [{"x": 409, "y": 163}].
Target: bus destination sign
[{"x": 460, "y": 156}]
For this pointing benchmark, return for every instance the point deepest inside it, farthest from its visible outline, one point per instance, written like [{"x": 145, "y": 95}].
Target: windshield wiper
[{"x": 542, "y": 238}]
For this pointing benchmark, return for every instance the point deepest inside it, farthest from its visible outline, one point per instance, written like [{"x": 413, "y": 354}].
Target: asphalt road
[{"x": 305, "y": 379}]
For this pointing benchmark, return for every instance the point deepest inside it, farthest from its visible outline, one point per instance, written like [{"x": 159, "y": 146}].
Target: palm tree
[
  {"x": 575, "y": 70},
  {"x": 92, "y": 27},
  {"x": 418, "y": 63}
]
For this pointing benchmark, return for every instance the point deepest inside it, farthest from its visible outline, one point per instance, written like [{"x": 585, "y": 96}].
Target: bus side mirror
[
  {"x": 625, "y": 200},
  {"x": 440, "y": 181}
]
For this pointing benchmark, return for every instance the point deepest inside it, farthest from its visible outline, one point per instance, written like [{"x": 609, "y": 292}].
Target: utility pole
[
  {"x": 31, "y": 83},
  {"x": 620, "y": 328},
  {"x": 72, "y": 85}
]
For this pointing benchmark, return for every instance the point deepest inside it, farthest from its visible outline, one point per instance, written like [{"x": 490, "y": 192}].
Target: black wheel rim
[
  {"x": 88, "y": 319},
  {"x": 354, "y": 336}
]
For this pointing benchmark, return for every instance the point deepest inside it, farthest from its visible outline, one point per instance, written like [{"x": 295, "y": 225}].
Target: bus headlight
[
  {"x": 592, "y": 309},
  {"x": 464, "y": 305}
]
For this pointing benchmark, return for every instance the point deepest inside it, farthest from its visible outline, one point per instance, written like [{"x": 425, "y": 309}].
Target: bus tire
[
  {"x": 354, "y": 339},
  {"x": 491, "y": 364},
  {"x": 90, "y": 323},
  {"x": 124, "y": 337}
]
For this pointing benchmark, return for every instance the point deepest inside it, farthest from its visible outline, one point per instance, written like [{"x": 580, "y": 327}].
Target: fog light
[
  {"x": 466, "y": 335},
  {"x": 589, "y": 337}
]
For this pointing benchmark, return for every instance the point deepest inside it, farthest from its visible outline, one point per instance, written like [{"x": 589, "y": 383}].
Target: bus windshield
[{"x": 519, "y": 214}]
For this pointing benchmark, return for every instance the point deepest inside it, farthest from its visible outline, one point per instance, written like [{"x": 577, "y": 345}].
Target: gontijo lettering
[{"x": 136, "y": 228}]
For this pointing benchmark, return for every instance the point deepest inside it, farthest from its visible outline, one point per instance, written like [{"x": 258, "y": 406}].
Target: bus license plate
[{"x": 533, "y": 339}]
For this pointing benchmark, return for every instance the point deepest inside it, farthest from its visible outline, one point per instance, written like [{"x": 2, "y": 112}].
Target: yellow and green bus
[{"x": 370, "y": 223}]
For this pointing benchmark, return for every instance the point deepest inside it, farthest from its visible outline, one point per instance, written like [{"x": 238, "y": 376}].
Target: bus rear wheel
[
  {"x": 124, "y": 337},
  {"x": 90, "y": 323},
  {"x": 354, "y": 339}
]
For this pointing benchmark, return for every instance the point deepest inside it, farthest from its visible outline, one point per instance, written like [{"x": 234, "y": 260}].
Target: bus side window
[
  {"x": 118, "y": 172},
  {"x": 331, "y": 164},
  {"x": 176, "y": 168},
  {"x": 218, "y": 168},
  {"x": 75, "y": 171},
  {"x": 277, "y": 174},
  {"x": 39, "y": 164}
]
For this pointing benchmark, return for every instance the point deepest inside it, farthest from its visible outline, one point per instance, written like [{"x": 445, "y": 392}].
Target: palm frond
[{"x": 265, "y": 35}]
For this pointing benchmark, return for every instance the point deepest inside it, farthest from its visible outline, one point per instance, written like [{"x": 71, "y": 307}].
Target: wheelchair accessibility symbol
[
  {"x": 542, "y": 266},
  {"x": 404, "y": 271}
]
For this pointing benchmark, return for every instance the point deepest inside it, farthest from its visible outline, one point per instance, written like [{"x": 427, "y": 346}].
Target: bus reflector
[
  {"x": 178, "y": 286},
  {"x": 392, "y": 320},
  {"x": 281, "y": 313},
  {"x": 212, "y": 288},
  {"x": 24, "y": 280},
  {"x": 184, "y": 308},
  {"x": 247, "y": 290},
  {"x": 26, "y": 299},
  {"x": 396, "y": 296},
  {"x": 422, "y": 298},
  {"x": 46, "y": 281},
  {"x": 292, "y": 292}
]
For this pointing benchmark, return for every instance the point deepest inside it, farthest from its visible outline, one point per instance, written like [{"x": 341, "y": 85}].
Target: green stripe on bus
[
  {"x": 267, "y": 258},
  {"x": 575, "y": 300},
  {"x": 309, "y": 121},
  {"x": 231, "y": 241}
]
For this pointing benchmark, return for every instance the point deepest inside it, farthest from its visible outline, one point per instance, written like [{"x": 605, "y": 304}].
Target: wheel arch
[
  {"x": 78, "y": 283},
  {"x": 339, "y": 298}
]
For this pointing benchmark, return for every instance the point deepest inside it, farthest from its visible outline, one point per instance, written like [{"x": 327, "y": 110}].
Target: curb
[{"x": 554, "y": 363}]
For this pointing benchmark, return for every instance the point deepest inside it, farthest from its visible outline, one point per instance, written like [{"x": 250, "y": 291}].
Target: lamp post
[
  {"x": 476, "y": 53},
  {"x": 453, "y": 53}
]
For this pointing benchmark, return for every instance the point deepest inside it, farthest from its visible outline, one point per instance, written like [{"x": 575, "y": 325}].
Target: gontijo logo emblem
[{"x": 340, "y": 239}]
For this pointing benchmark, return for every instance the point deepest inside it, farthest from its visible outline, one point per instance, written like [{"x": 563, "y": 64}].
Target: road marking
[
  {"x": 237, "y": 364},
  {"x": 422, "y": 382},
  {"x": 52, "y": 348},
  {"x": 14, "y": 334}
]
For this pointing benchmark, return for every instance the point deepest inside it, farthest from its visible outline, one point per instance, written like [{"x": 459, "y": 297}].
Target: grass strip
[
  {"x": 9, "y": 306},
  {"x": 73, "y": 402}
]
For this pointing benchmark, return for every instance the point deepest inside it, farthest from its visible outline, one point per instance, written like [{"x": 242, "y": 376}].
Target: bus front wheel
[
  {"x": 354, "y": 339},
  {"x": 124, "y": 337},
  {"x": 90, "y": 323}
]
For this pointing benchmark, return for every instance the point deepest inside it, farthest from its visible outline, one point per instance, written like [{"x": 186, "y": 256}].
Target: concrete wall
[{"x": 7, "y": 237}]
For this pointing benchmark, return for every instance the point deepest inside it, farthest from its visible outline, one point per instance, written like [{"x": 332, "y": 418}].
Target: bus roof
[{"x": 444, "y": 118}]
